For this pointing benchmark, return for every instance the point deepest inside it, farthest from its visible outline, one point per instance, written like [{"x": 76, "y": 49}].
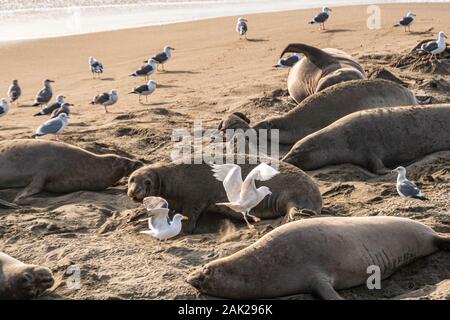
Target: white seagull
[
  {"x": 96, "y": 66},
  {"x": 145, "y": 90},
  {"x": 51, "y": 107},
  {"x": 4, "y": 107},
  {"x": 322, "y": 17},
  {"x": 159, "y": 224},
  {"x": 405, "y": 188},
  {"x": 45, "y": 95},
  {"x": 106, "y": 99},
  {"x": 53, "y": 126},
  {"x": 163, "y": 57},
  {"x": 288, "y": 62},
  {"x": 243, "y": 196},
  {"x": 146, "y": 70},
  {"x": 435, "y": 47},
  {"x": 241, "y": 27},
  {"x": 14, "y": 91},
  {"x": 407, "y": 21}
]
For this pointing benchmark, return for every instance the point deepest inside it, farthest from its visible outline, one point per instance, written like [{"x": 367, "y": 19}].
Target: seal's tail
[{"x": 443, "y": 242}]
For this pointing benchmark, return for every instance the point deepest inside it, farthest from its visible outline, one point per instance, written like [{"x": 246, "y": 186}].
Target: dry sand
[{"x": 211, "y": 74}]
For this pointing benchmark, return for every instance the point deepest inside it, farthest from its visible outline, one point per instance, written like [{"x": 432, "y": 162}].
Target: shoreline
[{"x": 74, "y": 17}]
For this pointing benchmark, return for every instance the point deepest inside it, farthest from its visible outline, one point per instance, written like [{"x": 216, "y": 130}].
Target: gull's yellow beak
[{"x": 185, "y": 218}]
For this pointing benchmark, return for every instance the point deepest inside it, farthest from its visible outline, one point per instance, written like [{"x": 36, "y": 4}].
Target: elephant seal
[
  {"x": 376, "y": 138},
  {"x": 191, "y": 189},
  {"x": 319, "y": 256},
  {"x": 320, "y": 69},
  {"x": 40, "y": 165},
  {"x": 325, "y": 107},
  {"x": 22, "y": 281}
]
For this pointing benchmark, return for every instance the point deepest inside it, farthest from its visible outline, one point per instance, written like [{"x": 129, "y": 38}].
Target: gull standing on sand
[
  {"x": 159, "y": 224},
  {"x": 435, "y": 47},
  {"x": 4, "y": 107},
  {"x": 53, "y": 126},
  {"x": 322, "y": 17},
  {"x": 145, "y": 90},
  {"x": 407, "y": 21},
  {"x": 106, "y": 99},
  {"x": 96, "y": 66},
  {"x": 14, "y": 91},
  {"x": 65, "y": 108},
  {"x": 288, "y": 62},
  {"x": 45, "y": 95},
  {"x": 163, "y": 57},
  {"x": 51, "y": 107},
  {"x": 405, "y": 188},
  {"x": 146, "y": 70},
  {"x": 241, "y": 27},
  {"x": 243, "y": 196}
]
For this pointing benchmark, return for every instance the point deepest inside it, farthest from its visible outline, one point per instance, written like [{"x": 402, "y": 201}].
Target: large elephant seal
[
  {"x": 376, "y": 139},
  {"x": 191, "y": 189},
  {"x": 320, "y": 69},
  {"x": 319, "y": 256},
  {"x": 325, "y": 107},
  {"x": 22, "y": 281},
  {"x": 40, "y": 165}
]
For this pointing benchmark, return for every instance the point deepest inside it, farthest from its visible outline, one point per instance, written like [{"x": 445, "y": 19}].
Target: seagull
[
  {"x": 45, "y": 95},
  {"x": 405, "y": 188},
  {"x": 146, "y": 70},
  {"x": 163, "y": 57},
  {"x": 53, "y": 126},
  {"x": 14, "y": 91},
  {"x": 243, "y": 195},
  {"x": 145, "y": 90},
  {"x": 159, "y": 223},
  {"x": 65, "y": 108},
  {"x": 435, "y": 47},
  {"x": 96, "y": 66},
  {"x": 406, "y": 21},
  {"x": 51, "y": 107},
  {"x": 106, "y": 99},
  {"x": 288, "y": 62},
  {"x": 321, "y": 17},
  {"x": 241, "y": 27},
  {"x": 4, "y": 107}
]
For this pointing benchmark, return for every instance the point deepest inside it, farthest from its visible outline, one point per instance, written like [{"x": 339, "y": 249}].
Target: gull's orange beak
[{"x": 184, "y": 218}]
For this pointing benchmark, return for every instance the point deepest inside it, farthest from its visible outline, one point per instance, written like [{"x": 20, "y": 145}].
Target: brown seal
[
  {"x": 22, "y": 281},
  {"x": 40, "y": 165},
  {"x": 191, "y": 189},
  {"x": 325, "y": 107},
  {"x": 319, "y": 256},
  {"x": 376, "y": 139},
  {"x": 320, "y": 69}
]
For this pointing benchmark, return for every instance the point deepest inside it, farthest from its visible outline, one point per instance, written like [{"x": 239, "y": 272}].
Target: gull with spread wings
[{"x": 243, "y": 196}]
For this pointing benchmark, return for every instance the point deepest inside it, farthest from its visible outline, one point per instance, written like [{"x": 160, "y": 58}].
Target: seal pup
[
  {"x": 20, "y": 281},
  {"x": 376, "y": 139},
  {"x": 319, "y": 256},
  {"x": 39, "y": 165},
  {"x": 191, "y": 189},
  {"x": 319, "y": 69},
  {"x": 325, "y": 107}
]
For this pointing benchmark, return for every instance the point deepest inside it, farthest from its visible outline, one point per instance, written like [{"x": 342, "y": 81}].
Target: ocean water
[{"x": 31, "y": 19}]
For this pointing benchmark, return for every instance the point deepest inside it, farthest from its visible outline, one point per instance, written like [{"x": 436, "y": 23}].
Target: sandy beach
[{"x": 212, "y": 74}]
